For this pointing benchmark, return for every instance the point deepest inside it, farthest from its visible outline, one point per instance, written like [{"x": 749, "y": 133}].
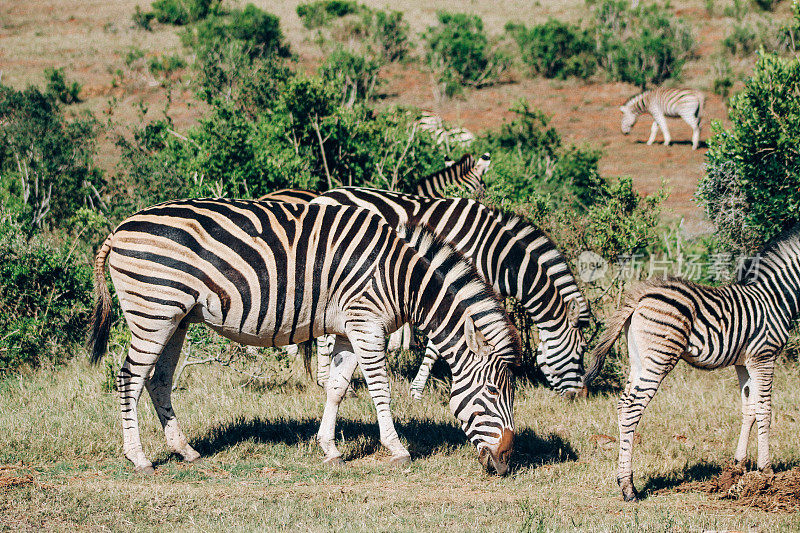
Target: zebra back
[{"x": 292, "y": 196}]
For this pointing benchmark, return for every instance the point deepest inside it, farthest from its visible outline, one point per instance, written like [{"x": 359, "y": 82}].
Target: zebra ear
[
  {"x": 476, "y": 341},
  {"x": 573, "y": 312}
]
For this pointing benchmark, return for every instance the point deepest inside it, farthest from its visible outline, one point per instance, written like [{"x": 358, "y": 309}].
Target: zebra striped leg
[
  {"x": 344, "y": 364},
  {"x": 653, "y": 133},
  {"x": 135, "y": 371},
  {"x": 648, "y": 369},
  {"x": 159, "y": 386},
  {"x": 369, "y": 347},
  {"x": 325, "y": 345},
  {"x": 761, "y": 378},
  {"x": 400, "y": 339},
  {"x": 694, "y": 123},
  {"x": 418, "y": 385},
  {"x": 748, "y": 413}
]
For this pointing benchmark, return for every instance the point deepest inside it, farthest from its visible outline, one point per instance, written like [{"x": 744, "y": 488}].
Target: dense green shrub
[
  {"x": 320, "y": 12},
  {"x": 751, "y": 189},
  {"x": 458, "y": 51},
  {"x": 59, "y": 88},
  {"x": 742, "y": 40},
  {"x": 555, "y": 49},
  {"x": 530, "y": 160},
  {"x": 390, "y": 32},
  {"x": 256, "y": 29},
  {"x": 644, "y": 45},
  {"x": 45, "y": 301},
  {"x": 46, "y": 166},
  {"x": 181, "y": 12},
  {"x": 142, "y": 19},
  {"x": 355, "y": 74}
]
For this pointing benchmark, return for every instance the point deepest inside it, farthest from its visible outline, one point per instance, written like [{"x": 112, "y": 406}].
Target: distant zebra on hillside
[
  {"x": 273, "y": 273},
  {"x": 660, "y": 103},
  {"x": 745, "y": 324},
  {"x": 451, "y": 138},
  {"x": 466, "y": 174}
]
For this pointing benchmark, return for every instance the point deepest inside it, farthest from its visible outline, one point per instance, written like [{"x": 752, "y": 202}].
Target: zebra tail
[
  {"x": 615, "y": 325},
  {"x": 305, "y": 347},
  {"x": 101, "y": 317}
]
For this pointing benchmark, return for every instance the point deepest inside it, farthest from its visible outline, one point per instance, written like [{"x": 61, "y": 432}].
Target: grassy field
[{"x": 62, "y": 464}]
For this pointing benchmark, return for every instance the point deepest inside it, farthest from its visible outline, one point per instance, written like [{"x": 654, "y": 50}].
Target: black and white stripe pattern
[
  {"x": 466, "y": 174},
  {"x": 661, "y": 103},
  {"x": 745, "y": 324},
  {"x": 451, "y": 138},
  {"x": 514, "y": 257},
  {"x": 270, "y": 274},
  {"x": 292, "y": 196}
]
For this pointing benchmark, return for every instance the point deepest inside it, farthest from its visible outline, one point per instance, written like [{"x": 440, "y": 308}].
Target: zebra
[
  {"x": 449, "y": 137},
  {"x": 663, "y": 102},
  {"x": 745, "y": 324},
  {"x": 292, "y": 196},
  {"x": 466, "y": 174},
  {"x": 516, "y": 258},
  {"x": 273, "y": 273}
]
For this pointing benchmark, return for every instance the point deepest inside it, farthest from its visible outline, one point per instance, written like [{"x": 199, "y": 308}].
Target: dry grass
[{"x": 60, "y": 439}]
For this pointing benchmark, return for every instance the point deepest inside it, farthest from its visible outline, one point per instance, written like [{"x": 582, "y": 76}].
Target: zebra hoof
[
  {"x": 333, "y": 461},
  {"x": 400, "y": 460},
  {"x": 145, "y": 470},
  {"x": 767, "y": 471}
]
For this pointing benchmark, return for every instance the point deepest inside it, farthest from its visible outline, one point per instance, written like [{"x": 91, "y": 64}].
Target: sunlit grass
[{"x": 263, "y": 470}]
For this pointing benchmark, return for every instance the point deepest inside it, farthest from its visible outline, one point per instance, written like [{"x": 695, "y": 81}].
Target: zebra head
[
  {"x": 482, "y": 395},
  {"x": 628, "y": 119},
  {"x": 560, "y": 353}
]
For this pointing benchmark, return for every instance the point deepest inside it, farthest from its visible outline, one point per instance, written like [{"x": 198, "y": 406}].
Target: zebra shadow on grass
[
  {"x": 682, "y": 142},
  {"x": 424, "y": 438}
]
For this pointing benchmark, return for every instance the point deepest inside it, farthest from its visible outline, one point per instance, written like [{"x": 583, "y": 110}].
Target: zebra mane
[
  {"x": 460, "y": 167},
  {"x": 527, "y": 233},
  {"x": 774, "y": 249},
  {"x": 634, "y": 98},
  {"x": 464, "y": 277}
]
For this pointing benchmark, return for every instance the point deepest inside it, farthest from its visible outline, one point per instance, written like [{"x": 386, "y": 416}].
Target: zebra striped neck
[
  {"x": 448, "y": 286},
  {"x": 775, "y": 271},
  {"x": 638, "y": 104}
]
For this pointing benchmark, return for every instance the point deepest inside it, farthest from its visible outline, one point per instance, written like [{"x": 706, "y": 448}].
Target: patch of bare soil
[
  {"x": 769, "y": 492},
  {"x": 11, "y": 477}
]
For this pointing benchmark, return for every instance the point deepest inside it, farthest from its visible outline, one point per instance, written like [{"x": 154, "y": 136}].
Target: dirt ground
[{"x": 770, "y": 492}]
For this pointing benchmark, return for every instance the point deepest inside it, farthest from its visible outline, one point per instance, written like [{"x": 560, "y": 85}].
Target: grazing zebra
[
  {"x": 466, "y": 174},
  {"x": 660, "y": 103},
  {"x": 745, "y": 324},
  {"x": 516, "y": 258},
  {"x": 449, "y": 137},
  {"x": 271, "y": 274}
]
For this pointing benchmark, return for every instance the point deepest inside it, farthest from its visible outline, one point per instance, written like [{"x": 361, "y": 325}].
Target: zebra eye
[{"x": 491, "y": 389}]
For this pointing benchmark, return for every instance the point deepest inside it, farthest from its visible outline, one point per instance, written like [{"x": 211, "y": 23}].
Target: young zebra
[
  {"x": 516, "y": 258},
  {"x": 660, "y": 103},
  {"x": 466, "y": 174},
  {"x": 271, "y": 274},
  {"x": 745, "y": 324}
]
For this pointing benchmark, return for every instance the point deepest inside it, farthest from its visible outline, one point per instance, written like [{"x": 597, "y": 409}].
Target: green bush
[
  {"x": 644, "y": 45},
  {"x": 182, "y": 12},
  {"x": 58, "y": 87},
  {"x": 165, "y": 65},
  {"x": 767, "y": 5},
  {"x": 741, "y": 41},
  {"x": 458, "y": 51},
  {"x": 142, "y": 19},
  {"x": 390, "y": 32},
  {"x": 257, "y": 30},
  {"x": 530, "y": 160},
  {"x": 751, "y": 189},
  {"x": 555, "y": 49},
  {"x": 319, "y": 13},
  {"x": 355, "y": 74},
  {"x": 46, "y": 161},
  {"x": 45, "y": 301}
]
